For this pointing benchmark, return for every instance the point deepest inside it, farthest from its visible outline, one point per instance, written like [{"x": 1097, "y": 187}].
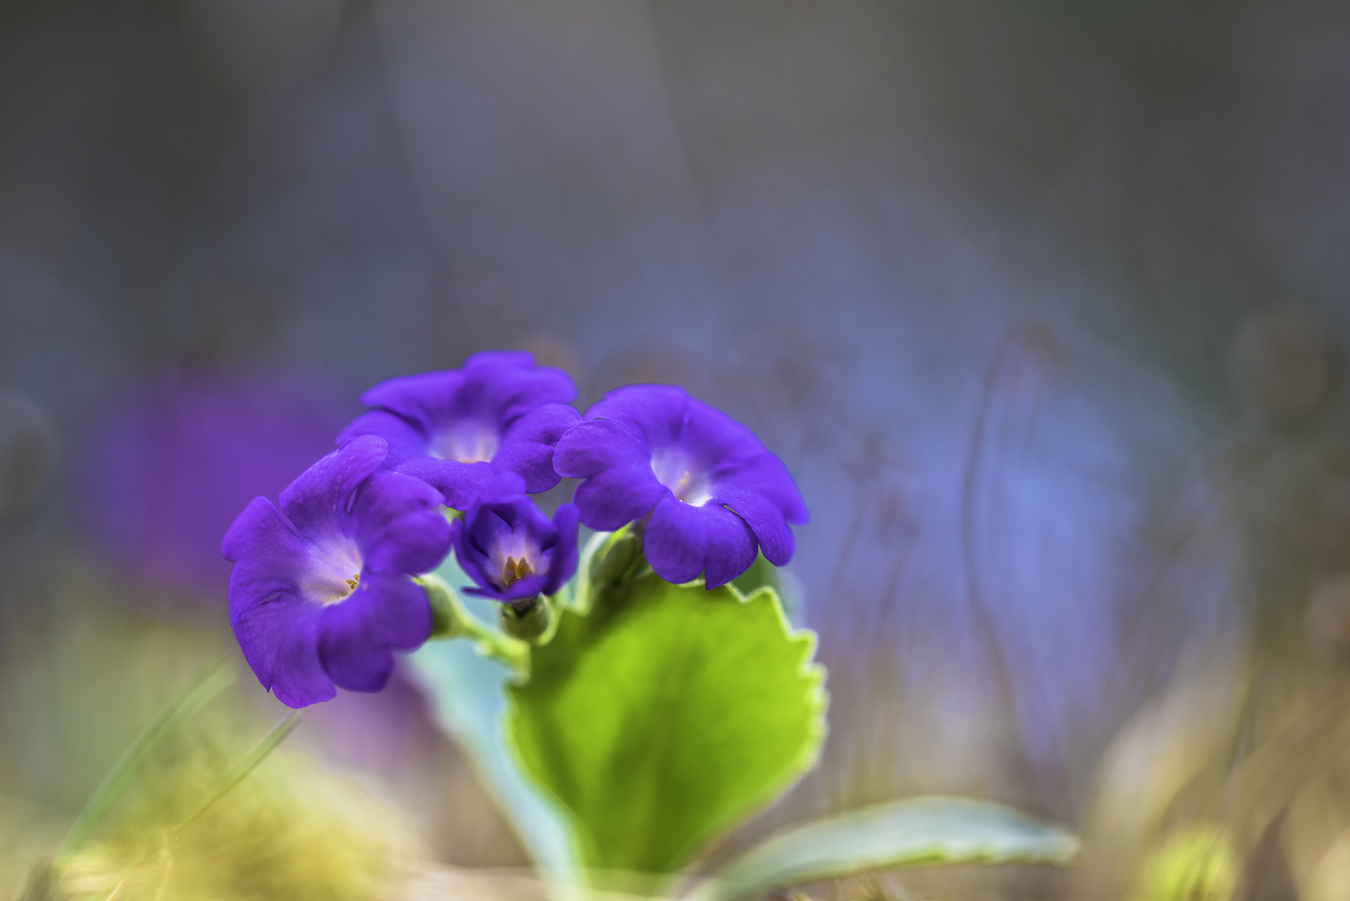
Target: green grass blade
[
  {"x": 247, "y": 765},
  {"x": 266, "y": 746},
  {"x": 194, "y": 696}
]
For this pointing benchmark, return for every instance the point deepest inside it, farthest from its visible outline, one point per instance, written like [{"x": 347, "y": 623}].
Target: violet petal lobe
[
  {"x": 357, "y": 635},
  {"x": 499, "y": 411},
  {"x": 459, "y": 482},
  {"x": 731, "y": 546},
  {"x": 417, "y": 398},
  {"x": 676, "y": 540},
  {"x": 528, "y": 447},
  {"x": 765, "y": 520},
  {"x": 566, "y": 554},
  {"x": 683, "y": 541},
  {"x": 765, "y": 475},
  {"x": 406, "y": 441},
  {"x": 616, "y": 465},
  {"x": 510, "y": 381},
  {"x": 321, "y": 493},
  {"x": 398, "y": 524},
  {"x": 654, "y": 412},
  {"x": 275, "y": 626}
]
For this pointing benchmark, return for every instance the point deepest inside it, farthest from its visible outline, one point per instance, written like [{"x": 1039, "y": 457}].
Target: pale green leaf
[
  {"x": 913, "y": 832},
  {"x": 666, "y": 715}
]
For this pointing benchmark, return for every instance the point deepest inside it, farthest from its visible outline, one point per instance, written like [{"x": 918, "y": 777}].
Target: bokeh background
[{"x": 1043, "y": 302}]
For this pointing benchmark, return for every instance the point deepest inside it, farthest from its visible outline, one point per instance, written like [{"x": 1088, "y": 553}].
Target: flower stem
[{"x": 450, "y": 619}]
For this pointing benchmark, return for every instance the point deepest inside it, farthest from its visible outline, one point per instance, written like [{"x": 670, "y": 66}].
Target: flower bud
[
  {"x": 615, "y": 559},
  {"x": 532, "y": 620},
  {"x": 446, "y": 615}
]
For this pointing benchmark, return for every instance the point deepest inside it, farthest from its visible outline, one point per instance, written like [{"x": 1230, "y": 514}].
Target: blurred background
[{"x": 1043, "y": 303}]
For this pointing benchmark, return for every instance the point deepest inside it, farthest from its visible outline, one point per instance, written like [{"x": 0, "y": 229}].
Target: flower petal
[
  {"x": 683, "y": 541},
  {"x": 473, "y": 538},
  {"x": 527, "y": 447},
  {"x": 509, "y": 384},
  {"x": 592, "y": 447},
  {"x": 322, "y": 493},
  {"x": 404, "y": 439},
  {"x": 619, "y": 485},
  {"x": 493, "y": 531},
  {"x": 420, "y": 398},
  {"x": 357, "y": 634},
  {"x": 770, "y": 528},
  {"x": 273, "y": 622},
  {"x": 763, "y": 474},
  {"x": 615, "y": 498},
  {"x": 712, "y": 437},
  {"x": 495, "y": 386},
  {"x": 258, "y": 530},
  {"x": 277, "y": 629},
  {"x": 563, "y": 557},
  {"x": 676, "y": 541},
  {"x": 398, "y": 525},
  {"x": 657, "y": 413},
  {"x": 460, "y": 483},
  {"x": 731, "y": 546}
]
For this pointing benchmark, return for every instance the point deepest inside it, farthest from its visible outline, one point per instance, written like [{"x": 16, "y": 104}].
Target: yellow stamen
[{"x": 514, "y": 570}]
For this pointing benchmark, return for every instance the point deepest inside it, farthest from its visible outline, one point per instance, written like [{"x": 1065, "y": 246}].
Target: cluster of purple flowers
[{"x": 322, "y": 591}]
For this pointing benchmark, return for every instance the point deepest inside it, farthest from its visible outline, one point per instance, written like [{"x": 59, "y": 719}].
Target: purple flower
[
  {"x": 455, "y": 430},
  {"x": 320, "y": 594},
  {"x": 714, "y": 493},
  {"x": 512, "y": 550}
]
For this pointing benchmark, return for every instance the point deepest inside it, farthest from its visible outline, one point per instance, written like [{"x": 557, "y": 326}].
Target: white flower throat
[
  {"x": 688, "y": 483},
  {"x": 468, "y": 442}
]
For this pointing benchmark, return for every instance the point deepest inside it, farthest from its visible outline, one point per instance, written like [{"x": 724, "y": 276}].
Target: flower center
[
  {"x": 466, "y": 442},
  {"x": 334, "y": 576},
  {"x": 514, "y": 570},
  {"x": 516, "y": 555},
  {"x": 686, "y": 482}
]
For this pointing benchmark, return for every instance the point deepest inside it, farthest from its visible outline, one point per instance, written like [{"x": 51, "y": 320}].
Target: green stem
[
  {"x": 207, "y": 684},
  {"x": 450, "y": 619}
]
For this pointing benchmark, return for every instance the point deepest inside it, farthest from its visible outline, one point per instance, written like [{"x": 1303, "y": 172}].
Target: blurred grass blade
[
  {"x": 913, "y": 832},
  {"x": 266, "y": 746},
  {"x": 194, "y": 696},
  {"x": 246, "y": 766}
]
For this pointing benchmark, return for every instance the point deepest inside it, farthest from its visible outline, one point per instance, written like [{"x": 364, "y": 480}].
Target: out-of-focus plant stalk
[
  {"x": 196, "y": 695},
  {"x": 450, "y": 619},
  {"x": 260, "y": 752}
]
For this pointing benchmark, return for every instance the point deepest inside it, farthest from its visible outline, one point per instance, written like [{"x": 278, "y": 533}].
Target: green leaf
[
  {"x": 763, "y": 574},
  {"x": 666, "y": 715},
  {"x": 917, "y": 831}
]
